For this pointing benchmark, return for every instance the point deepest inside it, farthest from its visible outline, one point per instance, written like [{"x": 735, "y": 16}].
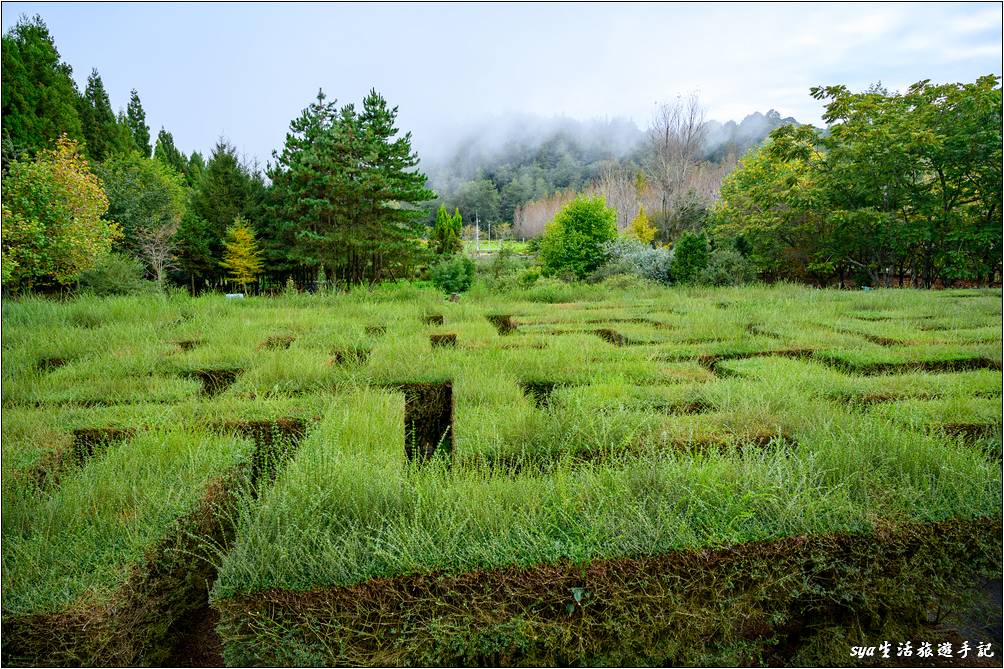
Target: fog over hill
[{"x": 504, "y": 144}]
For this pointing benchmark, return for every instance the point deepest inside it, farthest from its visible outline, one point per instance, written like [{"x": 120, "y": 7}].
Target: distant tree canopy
[{"x": 905, "y": 188}]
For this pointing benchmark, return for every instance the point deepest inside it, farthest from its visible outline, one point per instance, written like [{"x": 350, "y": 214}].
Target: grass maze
[{"x": 761, "y": 476}]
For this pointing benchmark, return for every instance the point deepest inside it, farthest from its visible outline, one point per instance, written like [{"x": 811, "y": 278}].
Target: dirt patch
[
  {"x": 504, "y": 323},
  {"x": 275, "y": 443},
  {"x": 134, "y": 625},
  {"x": 970, "y": 430},
  {"x": 89, "y": 441},
  {"x": 447, "y": 340},
  {"x": 612, "y": 336},
  {"x": 197, "y": 642},
  {"x": 539, "y": 391},
  {"x": 277, "y": 342},
  {"x": 874, "y": 369},
  {"x": 376, "y": 330},
  {"x": 758, "y": 330},
  {"x": 428, "y": 420},
  {"x": 215, "y": 381},
  {"x": 352, "y": 355},
  {"x": 710, "y": 360},
  {"x": 433, "y": 319},
  {"x": 49, "y": 364},
  {"x": 875, "y": 339}
]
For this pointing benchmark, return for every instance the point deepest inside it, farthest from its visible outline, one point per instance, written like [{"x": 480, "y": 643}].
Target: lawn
[{"x": 577, "y": 475}]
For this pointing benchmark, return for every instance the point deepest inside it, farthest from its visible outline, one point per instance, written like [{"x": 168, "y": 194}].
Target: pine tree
[
  {"x": 137, "y": 124},
  {"x": 395, "y": 188},
  {"x": 346, "y": 191},
  {"x": 100, "y": 128},
  {"x": 39, "y": 95},
  {"x": 242, "y": 259},
  {"x": 303, "y": 217},
  {"x": 167, "y": 153}
]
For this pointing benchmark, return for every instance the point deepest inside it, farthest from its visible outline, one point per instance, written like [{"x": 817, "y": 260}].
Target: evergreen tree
[
  {"x": 347, "y": 193},
  {"x": 395, "y": 188},
  {"x": 446, "y": 238},
  {"x": 39, "y": 96},
  {"x": 137, "y": 124},
  {"x": 100, "y": 127},
  {"x": 241, "y": 257},
  {"x": 196, "y": 166},
  {"x": 167, "y": 153},
  {"x": 227, "y": 189},
  {"x": 302, "y": 213},
  {"x": 690, "y": 257}
]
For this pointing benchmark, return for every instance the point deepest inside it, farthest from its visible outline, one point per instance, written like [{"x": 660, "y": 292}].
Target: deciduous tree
[{"x": 53, "y": 225}]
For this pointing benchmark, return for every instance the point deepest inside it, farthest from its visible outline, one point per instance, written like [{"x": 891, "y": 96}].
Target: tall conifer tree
[{"x": 137, "y": 124}]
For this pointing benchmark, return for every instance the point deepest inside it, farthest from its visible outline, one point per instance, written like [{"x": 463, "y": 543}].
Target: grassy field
[
  {"x": 578, "y": 475},
  {"x": 493, "y": 246}
]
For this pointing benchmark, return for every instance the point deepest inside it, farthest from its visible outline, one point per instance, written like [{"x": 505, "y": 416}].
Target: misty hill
[
  {"x": 720, "y": 139},
  {"x": 503, "y": 163}
]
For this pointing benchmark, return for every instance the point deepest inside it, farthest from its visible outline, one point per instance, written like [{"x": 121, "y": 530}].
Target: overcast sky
[{"x": 245, "y": 70}]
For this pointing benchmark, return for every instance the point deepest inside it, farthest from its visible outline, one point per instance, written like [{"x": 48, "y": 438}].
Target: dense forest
[{"x": 899, "y": 189}]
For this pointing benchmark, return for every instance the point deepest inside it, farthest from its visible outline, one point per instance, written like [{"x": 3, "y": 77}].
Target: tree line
[
  {"x": 903, "y": 189},
  {"x": 341, "y": 199}
]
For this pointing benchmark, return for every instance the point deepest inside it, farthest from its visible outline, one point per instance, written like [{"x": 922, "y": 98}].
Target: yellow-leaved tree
[
  {"x": 242, "y": 258},
  {"x": 641, "y": 228},
  {"x": 53, "y": 219}
]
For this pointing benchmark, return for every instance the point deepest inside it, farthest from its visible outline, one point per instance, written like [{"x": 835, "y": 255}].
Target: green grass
[{"x": 729, "y": 416}]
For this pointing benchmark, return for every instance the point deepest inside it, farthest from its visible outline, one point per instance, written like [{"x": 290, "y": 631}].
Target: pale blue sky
[{"x": 244, "y": 70}]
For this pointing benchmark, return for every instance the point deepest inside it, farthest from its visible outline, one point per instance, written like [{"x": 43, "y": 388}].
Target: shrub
[
  {"x": 115, "y": 274},
  {"x": 690, "y": 257},
  {"x": 502, "y": 271},
  {"x": 453, "y": 275},
  {"x": 632, "y": 257},
  {"x": 573, "y": 241},
  {"x": 528, "y": 277},
  {"x": 727, "y": 267},
  {"x": 641, "y": 228}
]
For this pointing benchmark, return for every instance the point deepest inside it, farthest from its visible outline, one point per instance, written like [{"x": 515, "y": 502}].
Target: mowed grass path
[{"x": 607, "y": 424}]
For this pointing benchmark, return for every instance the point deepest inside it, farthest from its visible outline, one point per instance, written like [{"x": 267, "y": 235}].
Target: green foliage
[
  {"x": 690, "y": 257},
  {"x": 446, "y": 233},
  {"x": 167, "y": 153},
  {"x": 102, "y": 133},
  {"x": 478, "y": 201},
  {"x": 136, "y": 121},
  {"x": 626, "y": 255},
  {"x": 902, "y": 185},
  {"x": 227, "y": 189},
  {"x": 143, "y": 195},
  {"x": 345, "y": 192},
  {"x": 39, "y": 95},
  {"x": 115, "y": 274},
  {"x": 453, "y": 274},
  {"x": 52, "y": 219},
  {"x": 727, "y": 267},
  {"x": 573, "y": 241}
]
